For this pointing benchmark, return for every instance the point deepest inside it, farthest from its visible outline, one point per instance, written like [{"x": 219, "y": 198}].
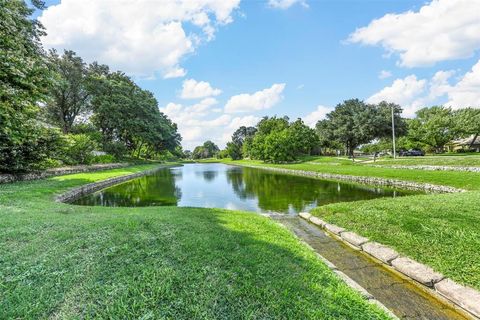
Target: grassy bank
[
  {"x": 470, "y": 160},
  {"x": 61, "y": 261},
  {"x": 440, "y": 230}
]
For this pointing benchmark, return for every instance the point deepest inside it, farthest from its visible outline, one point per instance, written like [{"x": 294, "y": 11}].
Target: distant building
[{"x": 471, "y": 143}]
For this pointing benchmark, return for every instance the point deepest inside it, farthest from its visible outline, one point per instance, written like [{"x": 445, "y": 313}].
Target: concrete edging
[
  {"x": 78, "y": 192},
  {"x": 464, "y": 297},
  {"x": 365, "y": 180},
  {"x": 346, "y": 279}
]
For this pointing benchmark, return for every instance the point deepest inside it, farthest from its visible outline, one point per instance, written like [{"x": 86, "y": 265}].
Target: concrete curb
[
  {"x": 464, "y": 297},
  {"x": 348, "y": 281},
  {"x": 83, "y": 190},
  {"x": 365, "y": 180}
]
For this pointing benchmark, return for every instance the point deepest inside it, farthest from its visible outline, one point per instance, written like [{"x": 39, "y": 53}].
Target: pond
[{"x": 238, "y": 188}]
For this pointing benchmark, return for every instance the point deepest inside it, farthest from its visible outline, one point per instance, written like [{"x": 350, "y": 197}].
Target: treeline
[
  {"x": 56, "y": 109},
  {"x": 352, "y": 126}
]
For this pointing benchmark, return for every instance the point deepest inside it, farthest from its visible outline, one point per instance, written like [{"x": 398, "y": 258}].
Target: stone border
[
  {"x": 345, "y": 278},
  {"x": 464, "y": 297},
  {"x": 365, "y": 180},
  {"x": 427, "y": 167},
  {"x": 8, "y": 178},
  {"x": 83, "y": 190}
]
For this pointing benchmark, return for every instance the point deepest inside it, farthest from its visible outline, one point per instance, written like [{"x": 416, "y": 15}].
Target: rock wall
[{"x": 7, "y": 178}]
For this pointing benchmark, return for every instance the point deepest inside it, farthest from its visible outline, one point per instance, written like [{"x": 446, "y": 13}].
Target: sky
[{"x": 215, "y": 65}]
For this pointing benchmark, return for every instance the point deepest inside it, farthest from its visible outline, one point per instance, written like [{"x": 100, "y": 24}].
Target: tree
[
  {"x": 303, "y": 138},
  {"x": 242, "y": 135},
  {"x": 207, "y": 150},
  {"x": 352, "y": 123},
  {"x": 24, "y": 83},
  {"x": 433, "y": 127},
  {"x": 69, "y": 94},
  {"x": 467, "y": 123},
  {"x": 129, "y": 115},
  {"x": 234, "y": 150},
  {"x": 278, "y": 140}
]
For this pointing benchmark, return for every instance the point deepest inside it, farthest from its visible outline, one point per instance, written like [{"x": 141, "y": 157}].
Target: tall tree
[
  {"x": 352, "y": 123},
  {"x": 24, "y": 83},
  {"x": 467, "y": 123},
  {"x": 433, "y": 127},
  {"x": 69, "y": 94},
  {"x": 128, "y": 115}
]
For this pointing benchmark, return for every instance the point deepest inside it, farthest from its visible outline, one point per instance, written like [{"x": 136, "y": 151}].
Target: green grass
[
  {"x": 440, "y": 230},
  {"x": 59, "y": 261},
  {"x": 470, "y": 160}
]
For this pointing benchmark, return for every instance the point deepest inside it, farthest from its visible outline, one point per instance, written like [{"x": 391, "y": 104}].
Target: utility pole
[{"x": 393, "y": 133}]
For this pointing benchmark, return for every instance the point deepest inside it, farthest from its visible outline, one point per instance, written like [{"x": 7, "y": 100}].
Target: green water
[{"x": 221, "y": 186}]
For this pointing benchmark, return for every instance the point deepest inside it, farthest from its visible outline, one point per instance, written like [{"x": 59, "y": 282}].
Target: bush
[
  {"x": 79, "y": 149},
  {"x": 106, "y": 158}
]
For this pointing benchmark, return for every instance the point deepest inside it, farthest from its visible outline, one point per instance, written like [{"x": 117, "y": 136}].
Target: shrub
[
  {"x": 106, "y": 158},
  {"x": 79, "y": 149}
]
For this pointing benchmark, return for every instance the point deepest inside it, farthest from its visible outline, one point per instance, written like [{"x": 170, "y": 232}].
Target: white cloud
[
  {"x": 193, "y": 89},
  {"x": 441, "y": 30},
  {"x": 466, "y": 93},
  {"x": 312, "y": 118},
  {"x": 405, "y": 92},
  {"x": 259, "y": 100},
  {"x": 198, "y": 123},
  {"x": 140, "y": 37},
  {"x": 384, "y": 74},
  {"x": 412, "y": 93},
  {"x": 285, "y": 4}
]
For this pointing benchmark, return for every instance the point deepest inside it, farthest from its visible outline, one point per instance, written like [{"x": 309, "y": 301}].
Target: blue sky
[{"x": 277, "y": 57}]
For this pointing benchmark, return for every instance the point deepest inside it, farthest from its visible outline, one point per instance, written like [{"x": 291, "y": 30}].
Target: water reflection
[
  {"x": 222, "y": 186},
  {"x": 158, "y": 189}
]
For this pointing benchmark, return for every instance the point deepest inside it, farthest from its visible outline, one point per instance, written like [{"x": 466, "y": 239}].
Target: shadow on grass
[{"x": 157, "y": 262}]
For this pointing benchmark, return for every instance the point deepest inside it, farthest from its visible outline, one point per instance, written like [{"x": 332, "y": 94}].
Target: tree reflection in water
[
  {"x": 222, "y": 186},
  {"x": 157, "y": 189}
]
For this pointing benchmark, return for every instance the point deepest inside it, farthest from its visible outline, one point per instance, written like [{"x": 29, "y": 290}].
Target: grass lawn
[
  {"x": 59, "y": 261},
  {"x": 440, "y": 230},
  {"x": 470, "y": 160}
]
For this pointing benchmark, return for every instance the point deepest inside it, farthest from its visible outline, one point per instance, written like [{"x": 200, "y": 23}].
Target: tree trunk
[{"x": 473, "y": 141}]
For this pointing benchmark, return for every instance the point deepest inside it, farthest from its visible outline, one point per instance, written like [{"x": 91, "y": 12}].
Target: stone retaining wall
[
  {"x": 429, "y": 168},
  {"x": 366, "y": 180},
  {"x": 7, "y": 178},
  {"x": 81, "y": 191},
  {"x": 464, "y": 297}
]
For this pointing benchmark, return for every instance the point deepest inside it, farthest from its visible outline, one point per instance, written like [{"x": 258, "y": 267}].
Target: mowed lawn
[
  {"x": 440, "y": 230},
  {"x": 459, "y": 160},
  {"x": 59, "y": 261}
]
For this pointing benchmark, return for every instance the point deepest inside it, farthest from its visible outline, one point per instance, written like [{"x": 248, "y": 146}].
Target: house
[{"x": 471, "y": 143}]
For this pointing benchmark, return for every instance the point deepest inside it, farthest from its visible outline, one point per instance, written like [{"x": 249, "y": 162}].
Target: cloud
[
  {"x": 384, "y": 74},
  {"x": 142, "y": 38},
  {"x": 285, "y": 4},
  {"x": 259, "y": 100},
  {"x": 199, "y": 122},
  {"x": 312, "y": 118},
  {"x": 405, "y": 92},
  {"x": 466, "y": 93},
  {"x": 412, "y": 93},
  {"x": 193, "y": 89},
  {"x": 441, "y": 30}
]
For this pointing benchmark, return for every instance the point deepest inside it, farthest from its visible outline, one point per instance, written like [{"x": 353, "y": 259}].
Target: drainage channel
[{"x": 398, "y": 294}]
